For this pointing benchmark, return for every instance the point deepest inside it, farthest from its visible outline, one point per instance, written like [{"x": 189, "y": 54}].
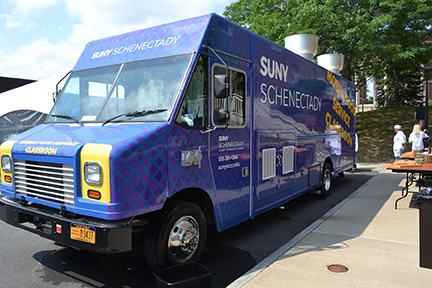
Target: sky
[{"x": 43, "y": 38}]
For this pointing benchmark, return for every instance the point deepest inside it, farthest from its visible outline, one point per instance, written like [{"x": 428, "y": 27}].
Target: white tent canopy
[
  {"x": 36, "y": 96},
  {"x": 27, "y": 106}
]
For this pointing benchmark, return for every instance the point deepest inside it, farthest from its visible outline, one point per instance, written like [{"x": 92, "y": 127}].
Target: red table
[{"x": 410, "y": 168}]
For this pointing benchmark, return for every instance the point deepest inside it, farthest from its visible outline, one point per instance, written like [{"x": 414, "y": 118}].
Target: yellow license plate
[{"x": 83, "y": 233}]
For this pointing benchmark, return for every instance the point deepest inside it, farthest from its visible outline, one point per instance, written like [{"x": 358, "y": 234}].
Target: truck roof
[{"x": 179, "y": 37}]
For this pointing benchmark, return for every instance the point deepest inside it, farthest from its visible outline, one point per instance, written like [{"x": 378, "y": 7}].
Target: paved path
[{"x": 378, "y": 244}]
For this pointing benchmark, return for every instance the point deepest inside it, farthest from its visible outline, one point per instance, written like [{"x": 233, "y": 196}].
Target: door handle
[{"x": 279, "y": 160}]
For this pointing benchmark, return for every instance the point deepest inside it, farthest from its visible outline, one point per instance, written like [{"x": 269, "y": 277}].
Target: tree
[
  {"x": 401, "y": 31},
  {"x": 381, "y": 39}
]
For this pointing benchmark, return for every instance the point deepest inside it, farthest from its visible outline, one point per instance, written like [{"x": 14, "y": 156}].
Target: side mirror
[
  {"x": 220, "y": 86},
  {"x": 220, "y": 116},
  {"x": 55, "y": 95}
]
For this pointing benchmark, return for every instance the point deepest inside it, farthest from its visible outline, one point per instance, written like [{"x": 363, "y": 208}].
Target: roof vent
[
  {"x": 305, "y": 45},
  {"x": 332, "y": 62}
]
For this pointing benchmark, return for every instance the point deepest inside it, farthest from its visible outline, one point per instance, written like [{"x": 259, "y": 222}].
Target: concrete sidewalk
[{"x": 378, "y": 244}]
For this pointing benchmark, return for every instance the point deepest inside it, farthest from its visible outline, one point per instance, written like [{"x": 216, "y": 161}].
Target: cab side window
[
  {"x": 228, "y": 110},
  {"x": 194, "y": 108}
]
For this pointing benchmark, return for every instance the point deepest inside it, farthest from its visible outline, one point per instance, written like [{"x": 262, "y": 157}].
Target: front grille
[{"x": 48, "y": 181}]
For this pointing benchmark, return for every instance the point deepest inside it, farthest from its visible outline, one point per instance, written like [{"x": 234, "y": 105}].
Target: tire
[
  {"x": 177, "y": 235},
  {"x": 326, "y": 180}
]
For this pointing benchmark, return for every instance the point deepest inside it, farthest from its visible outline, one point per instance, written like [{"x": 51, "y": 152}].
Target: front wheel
[
  {"x": 326, "y": 180},
  {"x": 175, "y": 236}
]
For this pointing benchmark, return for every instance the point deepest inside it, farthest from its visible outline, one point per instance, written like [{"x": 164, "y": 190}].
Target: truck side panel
[{"x": 303, "y": 116}]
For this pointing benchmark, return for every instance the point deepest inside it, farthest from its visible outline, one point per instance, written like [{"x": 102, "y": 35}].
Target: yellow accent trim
[
  {"x": 99, "y": 153},
  {"x": 6, "y": 149}
]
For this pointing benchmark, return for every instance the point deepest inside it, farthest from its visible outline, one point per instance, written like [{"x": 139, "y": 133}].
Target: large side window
[
  {"x": 194, "y": 108},
  {"x": 228, "y": 111}
]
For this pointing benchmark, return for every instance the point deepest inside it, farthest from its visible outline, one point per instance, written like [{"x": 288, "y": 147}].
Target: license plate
[{"x": 83, "y": 233}]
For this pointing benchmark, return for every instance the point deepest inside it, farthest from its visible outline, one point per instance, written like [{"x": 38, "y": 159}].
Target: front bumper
[{"x": 108, "y": 237}]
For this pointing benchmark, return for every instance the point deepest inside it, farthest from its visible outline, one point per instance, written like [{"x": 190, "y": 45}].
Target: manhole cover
[{"x": 337, "y": 268}]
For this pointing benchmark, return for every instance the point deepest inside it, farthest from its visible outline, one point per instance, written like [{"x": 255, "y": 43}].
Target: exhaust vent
[
  {"x": 305, "y": 45},
  {"x": 332, "y": 62}
]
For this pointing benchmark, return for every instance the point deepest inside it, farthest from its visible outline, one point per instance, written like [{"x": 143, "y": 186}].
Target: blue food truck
[{"x": 169, "y": 129}]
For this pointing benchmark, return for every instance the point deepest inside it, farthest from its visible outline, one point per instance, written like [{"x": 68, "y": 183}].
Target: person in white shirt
[
  {"x": 416, "y": 138},
  {"x": 399, "y": 142}
]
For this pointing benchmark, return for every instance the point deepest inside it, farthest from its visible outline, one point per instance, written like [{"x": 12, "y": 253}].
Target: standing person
[
  {"x": 399, "y": 142},
  {"x": 419, "y": 115},
  {"x": 416, "y": 138}
]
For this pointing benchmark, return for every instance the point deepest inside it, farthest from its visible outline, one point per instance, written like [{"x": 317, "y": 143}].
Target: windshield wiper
[
  {"x": 69, "y": 117},
  {"x": 137, "y": 113}
]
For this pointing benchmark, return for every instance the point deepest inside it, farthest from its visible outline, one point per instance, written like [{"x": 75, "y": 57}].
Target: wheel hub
[
  {"x": 184, "y": 239},
  {"x": 327, "y": 180}
]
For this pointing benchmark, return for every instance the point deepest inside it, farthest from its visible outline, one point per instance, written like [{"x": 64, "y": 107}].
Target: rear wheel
[
  {"x": 176, "y": 236},
  {"x": 326, "y": 180}
]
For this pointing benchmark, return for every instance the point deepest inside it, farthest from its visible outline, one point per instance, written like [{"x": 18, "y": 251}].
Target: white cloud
[
  {"x": 25, "y": 7},
  {"x": 11, "y": 21},
  {"x": 92, "y": 20},
  {"x": 104, "y": 18},
  {"x": 38, "y": 60},
  {"x": 21, "y": 9}
]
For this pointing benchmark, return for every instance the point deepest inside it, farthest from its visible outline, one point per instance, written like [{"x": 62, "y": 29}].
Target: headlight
[
  {"x": 92, "y": 173},
  {"x": 6, "y": 163}
]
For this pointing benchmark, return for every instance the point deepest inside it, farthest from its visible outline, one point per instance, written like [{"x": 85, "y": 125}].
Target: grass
[{"x": 375, "y": 132}]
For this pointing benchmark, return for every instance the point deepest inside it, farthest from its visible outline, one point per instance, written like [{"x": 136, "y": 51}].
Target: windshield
[{"x": 100, "y": 94}]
